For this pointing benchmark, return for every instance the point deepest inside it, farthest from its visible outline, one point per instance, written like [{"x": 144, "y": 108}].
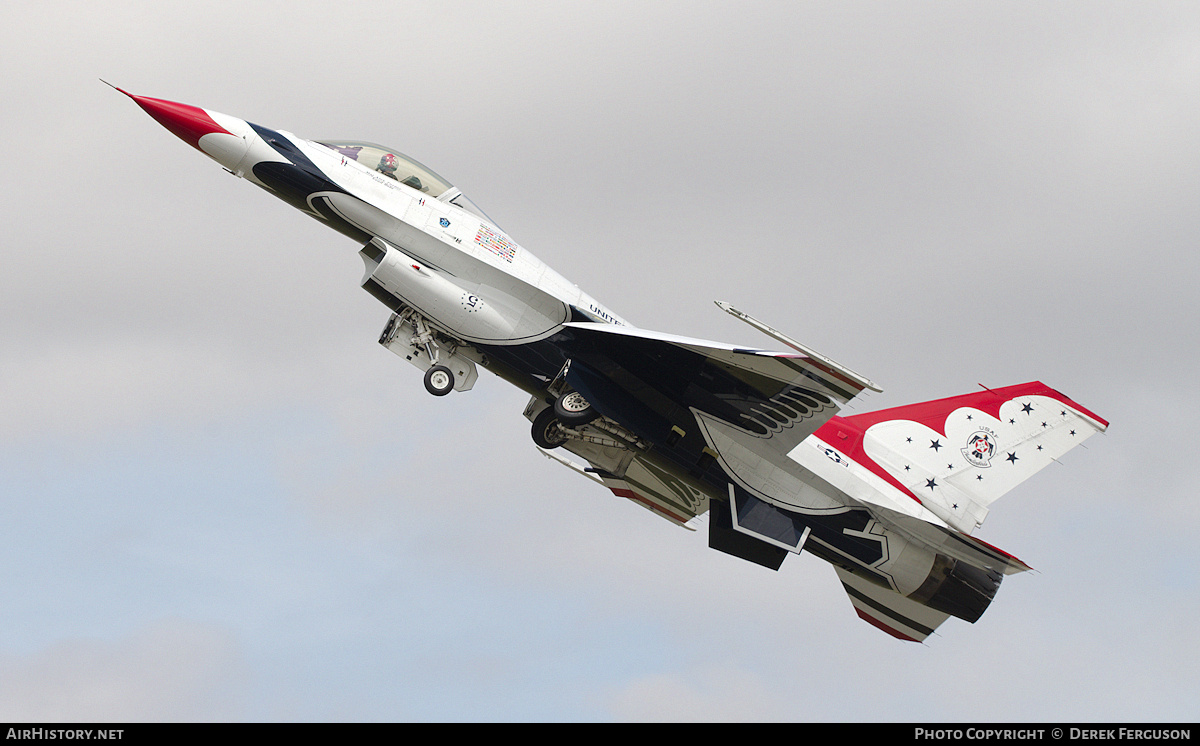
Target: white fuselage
[{"x": 455, "y": 267}]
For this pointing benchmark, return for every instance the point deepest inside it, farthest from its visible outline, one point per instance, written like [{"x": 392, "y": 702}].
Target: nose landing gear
[
  {"x": 449, "y": 364},
  {"x": 439, "y": 380}
]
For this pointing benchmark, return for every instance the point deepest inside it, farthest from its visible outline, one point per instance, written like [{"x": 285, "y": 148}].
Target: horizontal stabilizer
[
  {"x": 955, "y": 544},
  {"x": 891, "y": 612}
]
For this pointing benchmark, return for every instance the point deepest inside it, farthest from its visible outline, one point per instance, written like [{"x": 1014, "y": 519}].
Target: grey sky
[{"x": 222, "y": 500}]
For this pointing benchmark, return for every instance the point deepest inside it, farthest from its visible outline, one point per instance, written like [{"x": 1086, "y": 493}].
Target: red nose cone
[{"x": 189, "y": 123}]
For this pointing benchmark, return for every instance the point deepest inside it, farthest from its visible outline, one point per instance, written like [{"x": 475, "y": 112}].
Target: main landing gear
[
  {"x": 572, "y": 409},
  {"x": 565, "y": 415},
  {"x": 548, "y": 432},
  {"x": 584, "y": 425}
]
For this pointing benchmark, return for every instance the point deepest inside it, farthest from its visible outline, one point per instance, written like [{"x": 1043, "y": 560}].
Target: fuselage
[
  {"x": 440, "y": 254},
  {"x": 473, "y": 296}
]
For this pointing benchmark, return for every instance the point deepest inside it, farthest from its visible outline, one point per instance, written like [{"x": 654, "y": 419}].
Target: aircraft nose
[
  {"x": 221, "y": 137},
  {"x": 188, "y": 123}
]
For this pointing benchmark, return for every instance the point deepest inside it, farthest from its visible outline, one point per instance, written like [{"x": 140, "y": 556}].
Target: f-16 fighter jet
[{"x": 679, "y": 426}]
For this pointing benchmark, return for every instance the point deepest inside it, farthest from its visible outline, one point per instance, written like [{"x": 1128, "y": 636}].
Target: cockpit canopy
[{"x": 396, "y": 165}]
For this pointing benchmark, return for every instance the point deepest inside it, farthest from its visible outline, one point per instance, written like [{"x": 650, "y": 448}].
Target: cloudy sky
[{"x": 220, "y": 499}]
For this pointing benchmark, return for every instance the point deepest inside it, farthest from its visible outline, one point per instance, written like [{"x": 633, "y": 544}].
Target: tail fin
[{"x": 960, "y": 454}]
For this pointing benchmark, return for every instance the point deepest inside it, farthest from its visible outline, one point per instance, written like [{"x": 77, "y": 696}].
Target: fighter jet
[{"x": 679, "y": 426}]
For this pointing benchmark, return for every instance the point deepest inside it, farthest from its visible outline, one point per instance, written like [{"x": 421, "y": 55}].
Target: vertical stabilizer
[{"x": 960, "y": 454}]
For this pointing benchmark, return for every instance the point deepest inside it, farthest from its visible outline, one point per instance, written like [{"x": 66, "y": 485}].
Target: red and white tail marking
[{"x": 960, "y": 454}]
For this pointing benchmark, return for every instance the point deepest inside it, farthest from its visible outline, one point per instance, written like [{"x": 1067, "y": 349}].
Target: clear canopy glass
[{"x": 396, "y": 165}]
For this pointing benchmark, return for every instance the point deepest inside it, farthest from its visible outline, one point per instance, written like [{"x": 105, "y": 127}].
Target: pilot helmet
[{"x": 388, "y": 164}]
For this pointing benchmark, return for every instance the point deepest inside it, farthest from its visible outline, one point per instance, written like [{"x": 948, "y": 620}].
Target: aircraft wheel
[
  {"x": 546, "y": 432},
  {"x": 439, "y": 381},
  {"x": 572, "y": 409}
]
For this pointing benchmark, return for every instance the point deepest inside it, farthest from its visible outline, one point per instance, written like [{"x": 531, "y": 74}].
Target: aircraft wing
[{"x": 657, "y": 384}]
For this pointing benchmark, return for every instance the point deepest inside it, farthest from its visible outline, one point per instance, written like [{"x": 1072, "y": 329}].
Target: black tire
[
  {"x": 573, "y": 410},
  {"x": 545, "y": 430},
  {"x": 439, "y": 381}
]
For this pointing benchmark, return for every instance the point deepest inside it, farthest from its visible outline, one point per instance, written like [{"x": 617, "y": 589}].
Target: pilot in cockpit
[{"x": 387, "y": 165}]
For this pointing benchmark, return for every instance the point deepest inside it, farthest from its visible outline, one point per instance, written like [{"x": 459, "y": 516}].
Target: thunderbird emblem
[{"x": 981, "y": 446}]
